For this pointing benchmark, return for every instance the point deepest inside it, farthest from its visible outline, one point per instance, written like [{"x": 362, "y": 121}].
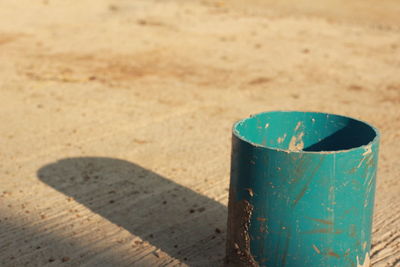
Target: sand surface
[{"x": 116, "y": 117}]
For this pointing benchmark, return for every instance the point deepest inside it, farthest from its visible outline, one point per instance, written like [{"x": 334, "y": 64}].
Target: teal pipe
[{"x": 301, "y": 191}]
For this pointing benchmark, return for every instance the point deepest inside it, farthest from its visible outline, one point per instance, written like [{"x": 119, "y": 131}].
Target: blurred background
[{"x": 116, "y": 117}]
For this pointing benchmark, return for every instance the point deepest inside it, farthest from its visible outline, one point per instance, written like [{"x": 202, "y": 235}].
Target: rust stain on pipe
[
  {"x": 333, "y": 254},
  {"x": 305, "y": 187},
  {"x": 322, "y": 221},
  {"x": 323, "y": 231},
  {"x": 238, "y": 243}
]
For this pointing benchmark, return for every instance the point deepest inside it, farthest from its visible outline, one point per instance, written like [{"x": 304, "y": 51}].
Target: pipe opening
[{"x": 304, "y": 131}]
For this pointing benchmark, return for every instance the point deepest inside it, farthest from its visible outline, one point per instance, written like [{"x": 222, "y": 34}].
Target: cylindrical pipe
[{"x": 301, "y": 191}]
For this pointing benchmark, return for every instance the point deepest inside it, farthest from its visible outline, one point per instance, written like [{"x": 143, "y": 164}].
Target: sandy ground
[{"x": 116, "y": 118}]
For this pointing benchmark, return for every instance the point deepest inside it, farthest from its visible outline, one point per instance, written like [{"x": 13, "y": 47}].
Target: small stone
[{"x": 156, "y": 253}]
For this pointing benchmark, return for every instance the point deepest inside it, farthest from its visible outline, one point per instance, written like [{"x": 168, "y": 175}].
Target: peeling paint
[
  {"x": 366, "y": 263},
  {"x": 296, "y": 143},
  {"x": 298, "y": 125},
  {"x": 281, "y": 139},
  {"x": 368, "y": 150},
  {"x": 366, "y": 155}
]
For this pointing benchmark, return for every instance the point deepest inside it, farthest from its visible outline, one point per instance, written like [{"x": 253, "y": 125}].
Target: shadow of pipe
[
  {"x": 32, "y": 245},
  {"x": 169, "y": 216}
]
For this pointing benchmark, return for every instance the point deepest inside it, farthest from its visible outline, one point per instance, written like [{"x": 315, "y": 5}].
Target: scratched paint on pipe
[{"x": 311, "y": 192}]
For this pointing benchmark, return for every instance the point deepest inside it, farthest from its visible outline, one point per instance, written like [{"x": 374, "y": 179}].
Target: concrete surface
[{"x": 116, "y": 118}]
